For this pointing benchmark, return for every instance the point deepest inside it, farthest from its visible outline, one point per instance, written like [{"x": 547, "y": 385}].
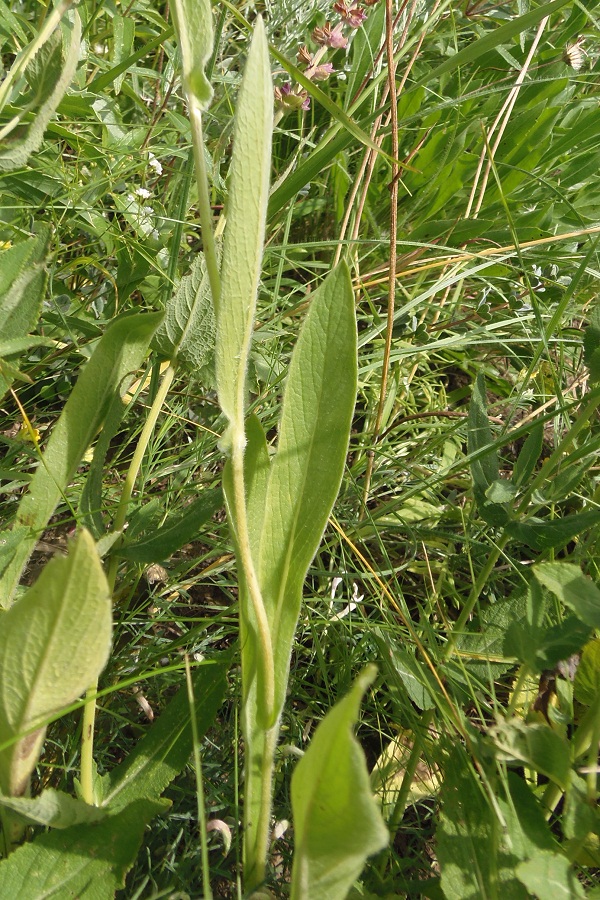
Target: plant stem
[
  {"x": 89, "y": 710},
  {"x": 199, "y": 785},
  {"x": 208, "y": 240},
  {"x": 256, "y": 848},
  {"x": 266, "y": 665}
]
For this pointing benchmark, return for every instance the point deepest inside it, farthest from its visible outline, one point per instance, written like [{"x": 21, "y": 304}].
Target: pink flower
[
  {"x": 337, "y": 40},
  {"x": 330, "y": 37},
  {"x": 320, "y": 73},
  {"x": 288, "y": 99},
  {"x": 352, "y": 15}
]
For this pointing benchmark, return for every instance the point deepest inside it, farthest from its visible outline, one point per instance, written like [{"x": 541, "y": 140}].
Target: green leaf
[
  {"x": 365, "y": 45},
  {"x": 527, "y": 828},
  {"x": 244, "y": 232},
  {"x": 22, "y": 285},
  {"x": 572, "y": 588},
  {"x": 405, "y": 670},
  {"x": 54, "y": 809},
  {"x": 193, "y": 19},
  {"x": 124, "y": 33},
  {"x": 337, "y": 823},
  {"x": 535, "y": 745},
  {"x": 89, "y": 863},
  {"x": 306, "y": 473},
  {"x": 119, "y": 352},
  {"x": 90, "y": 502},
  {"x": 529, "y": 455},
  {"x": 485, "y": 469},
  {"x": 167, "y": 746},
  {"x": 476, "y": 859},
  {"x": 541, "y": 647},
  {"x": 177, "y": 530},
  {"x": 187, "y": 333},
  {"x": 9, "y": 542},
  {"x": 549, "y": 534},
  {"x": 586, "y": 686},
  {"x": 496, "y": 38},
  {"x": 550, "y": 877},
  {"x": 54, "y": 643},
  {"x": 51, "y": 76}
]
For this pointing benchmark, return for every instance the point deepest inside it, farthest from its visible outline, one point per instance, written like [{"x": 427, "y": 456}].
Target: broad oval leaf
[
  {"x": 85, "y": 862},
  {"x": 337, "y": 823},
  {"x": 188, "y": 330},
  {"x": 54, "y": 643}
]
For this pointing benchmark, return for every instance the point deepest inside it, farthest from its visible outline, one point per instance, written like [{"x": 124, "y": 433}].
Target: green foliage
[
  {"x": 119, "y": 352},
  {"x": 337, "y": 824},
  {"x": 22, "y": 285},
  {"x": 49, "y": 73},
  {"x": 195, "y": 32},
  {"x": 244, "y": 237},
  {"x": 306, "y": 472},
  {"x": 187, "y": 333},
  {"x": 67, "y": 862},
  {"x": 53, "y": 643},
  {"x": 463, "y": 554}
]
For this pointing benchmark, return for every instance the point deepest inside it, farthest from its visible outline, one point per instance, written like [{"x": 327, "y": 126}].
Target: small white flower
[
  {"x": 154, "y": 163},
  {"x": 143, "y": 193}
]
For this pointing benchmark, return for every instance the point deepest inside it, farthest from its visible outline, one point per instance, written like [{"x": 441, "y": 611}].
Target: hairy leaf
[
  {"x": 306, "y": 473},
  {"x": 54, "y": 643},
  {"x": 244, "y": 234},
  {"x": 195, "y": 32},
  {"x": 572, "y": 588},
  {"x": 187, "y": 333},
  {"x": 54, "y": 809},
  {"x": 84, "y": 862},
  {"x": 337, "y": 823}
]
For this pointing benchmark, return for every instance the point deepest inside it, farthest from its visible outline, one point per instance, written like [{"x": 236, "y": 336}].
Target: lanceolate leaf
[
  {"x": 244, "y": 235},
  {"x": 195, "y": 32},
  {"x": 119, "y": 352},
  {"x": 54, "y": 643},
  {"x": 337, "y": 823},
  {"x": 187, "y": 333},
  {"x": 306, "y": 472},
  {"x": 50, "y": 77}
]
